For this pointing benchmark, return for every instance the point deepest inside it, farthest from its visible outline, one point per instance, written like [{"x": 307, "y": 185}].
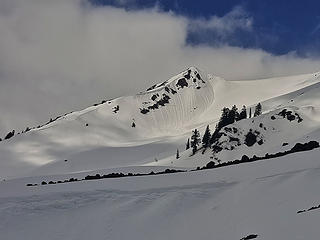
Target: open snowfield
[{"x": 229, "y": 203}]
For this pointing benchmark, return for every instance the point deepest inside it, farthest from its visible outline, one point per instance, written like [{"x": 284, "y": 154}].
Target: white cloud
[
  {"x": 236, "y": 19},
  {"x": 125, "y": 2},
  {"x": 316, "y": 29},
  {"x": 57, "y": 56}
]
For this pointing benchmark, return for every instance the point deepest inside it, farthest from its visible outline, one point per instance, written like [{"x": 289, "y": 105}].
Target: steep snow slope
[
  {"x": 135, "y": 130},
  {"x": 249, "y": 93},
  {"x": 288, "y": 119},
  {"x": 155, "y": 116},
  {"x": 260, "y": 198}
]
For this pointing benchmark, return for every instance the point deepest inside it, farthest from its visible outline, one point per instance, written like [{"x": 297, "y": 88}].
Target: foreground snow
[{"x": 228, "y": 203}]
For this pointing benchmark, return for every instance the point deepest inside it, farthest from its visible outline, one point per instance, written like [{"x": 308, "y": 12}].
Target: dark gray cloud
[{"x": 58, "y": 56}]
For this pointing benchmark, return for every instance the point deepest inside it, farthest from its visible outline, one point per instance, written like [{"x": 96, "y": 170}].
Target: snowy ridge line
[
  {"x": 40, "y": 127},
  {"x": 309, "y": 209}
]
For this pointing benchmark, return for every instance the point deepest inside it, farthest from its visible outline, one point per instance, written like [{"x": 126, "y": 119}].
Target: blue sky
[{"x": 278, "y": 26}]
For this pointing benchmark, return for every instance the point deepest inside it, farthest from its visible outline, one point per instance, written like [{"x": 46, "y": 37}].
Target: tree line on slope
[
  {"x": 298, "y": 147},
  {"x": 110, "y": 175},
  {"x": 228, "y": 116}
]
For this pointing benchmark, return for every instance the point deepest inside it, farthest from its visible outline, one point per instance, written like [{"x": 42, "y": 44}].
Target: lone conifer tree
[
  {"x": 188, "y": 144},
  {"x": 177, "y": 154},
  {"x": 206, "y": 138},
  {"x": 234, "y": 114},
  {"x": 243, "y": 113},
  {"x": 214, "y": 135},
  {"x": 195, "y": 140},
  {"x": 224, "y": 119},
  {"x": 258, "y": 110}
]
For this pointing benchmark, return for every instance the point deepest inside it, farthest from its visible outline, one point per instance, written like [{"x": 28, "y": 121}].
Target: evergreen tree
[
  {"x": 214, "y": 135},
  {"x": 206, "y": 138},
  {"x": 228, "y": 116},
  {"x": 188, "y": 144},
  {"x": 177, "y": 154},
  {"x": 258, "y": 110},
  {"x": 243, "y": 113},
  {"x": 250, "y": 114},
  {"x": 195, "y": 140},
  {"x": 233, "y": 114},
  {"x": 224, "y": 119}
]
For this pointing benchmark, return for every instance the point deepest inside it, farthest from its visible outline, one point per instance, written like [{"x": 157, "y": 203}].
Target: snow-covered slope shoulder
[
  {"x": 111, "y": 132},
  {"x": 138, "y": 129}
]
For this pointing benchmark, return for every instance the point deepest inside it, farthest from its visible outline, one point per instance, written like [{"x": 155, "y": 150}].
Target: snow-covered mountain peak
[
  {"x": 191, "y": 77},
  {"x": 113, "y": 133}
]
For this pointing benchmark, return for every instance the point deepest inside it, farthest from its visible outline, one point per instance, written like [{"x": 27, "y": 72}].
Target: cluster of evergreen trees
[
  {"x": 232, "y": 115},
  {"x": 228, "y": 116}
]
